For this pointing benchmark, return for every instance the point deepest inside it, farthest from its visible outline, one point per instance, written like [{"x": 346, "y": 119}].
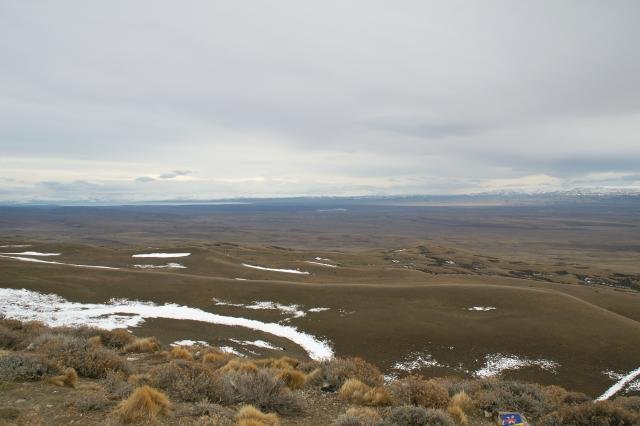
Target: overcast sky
[{"x": 147, "y": 100}]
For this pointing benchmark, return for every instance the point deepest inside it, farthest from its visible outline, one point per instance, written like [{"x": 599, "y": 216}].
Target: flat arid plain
[{"x": 542, "y": 292}]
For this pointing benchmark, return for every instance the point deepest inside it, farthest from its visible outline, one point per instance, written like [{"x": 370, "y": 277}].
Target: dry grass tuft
[
  {"x": 144, "y": 404},
  {"x": 281, "y": 363},
  {"x": 139, "y": 379},
  {"x": 240, "y": 365},
  {"x": 462, "y": 400},
  {"x": 143, "y": 345},
  {"x": 180, "y": 353},
  {"x": 458, "y": 414},
  {"x": 356, "y": 392},
  {"x": 294, "y": 379},
  {"x": 251, "y": 416},
  {"x": 69, "y": 379},
  {"x": 95, "y": 340},
  {"x": 216, "y": 359}
]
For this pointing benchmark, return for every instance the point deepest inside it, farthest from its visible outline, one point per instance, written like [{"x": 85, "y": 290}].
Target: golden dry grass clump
[
  {"x": 363, "y": 414},
  {"x": 215, "y": 358},
  {"x": 458, "y": 415},
  {"x": 240, "y": 365},
  {"x": 294, "y": 379},
  {"x": 180, "y": 353},
  {"x": 139, "y": 379},
  {"x": 462, "y": 400},
  {"x": 283, "y": 363},
  {"x": 251, "y": 416},
  {"x": 69, "y": 379},
  {"x": 143, "y": 345},
  {"x": 356, "y": 392},
  {"x": 145, "y": 403}
]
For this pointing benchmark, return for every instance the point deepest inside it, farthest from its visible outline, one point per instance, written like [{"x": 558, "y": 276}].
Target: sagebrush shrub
[
  {"x": 9, "y": 339},
  {"x": 360, "y": 417},
  {"x": 93, "y": 401},
  {"x": 116, "y": 385},
  {"x": 415, "y": 390},
  {"x": 262, "y": 390},
  {"x": 504, "y": 395},
  {"x": 337, "y": 370},
  {"x": 18, "y": 367},
  {"x": 187, "y": 381},
  {"x": 78, "y": 353},
  {"x": 601, "y": 413},
  {"x": 631, "y": 403},
  {"x": 410, "y": 415}
]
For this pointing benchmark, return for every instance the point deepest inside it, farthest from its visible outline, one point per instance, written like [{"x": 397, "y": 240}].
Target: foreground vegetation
[{"x": 114, "y": 377}]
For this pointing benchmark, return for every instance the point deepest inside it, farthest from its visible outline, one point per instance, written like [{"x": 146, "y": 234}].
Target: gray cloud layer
[{"x": 140, "y": 100}]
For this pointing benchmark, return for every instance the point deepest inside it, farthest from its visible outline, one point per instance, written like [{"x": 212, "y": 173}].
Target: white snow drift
[
  {"x": 326, "y": 265},
  {"x": 288, "y": 271},
  {"x": 50, "y": 262},
  {"x": 33, "y": 253},
  {"x": 619, "y": 385},
  {"x": 54, "y": 310},
  {"x": 167, "y": 266},
  {"x": 162, "y": 255},
  {"x": 481, "y": 308},
  {"x": 497, "y": 363}
]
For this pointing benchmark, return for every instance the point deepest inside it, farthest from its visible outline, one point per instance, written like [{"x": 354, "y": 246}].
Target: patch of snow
[
  {"x": 188, "y": 342},
  {"x": 497, "y": 363},
  {"x": 318, "y": 309},
  {"x": 15, "y": 245},
  {"x": 331, "y": 210},
  {"x": 162, "y": 255},
  {"x": 50, "y": 262},
  {"x": 328, "y": 265},
  {"x": 623, "y": 380},
  {"x": 240, "y": 279},
  {"x": 288, "y": 271},
  {"x": 293, "y": 310},
  {"x": 449, "y": 262},
  {"x": 389, "y": 378},
  {"x": 34, "y": 253},
  {"x": 230, "y": 350},
  {"x": 395, "y": 260},
  {"x": 323, "y": 259},
  {"x": 256, "y": 343},
  {"x": 168, "y": 265},
  {"x": 415, "y": 361},
  {"x": 481, "y": 308},
  {"x": 27, "y": 305}
]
